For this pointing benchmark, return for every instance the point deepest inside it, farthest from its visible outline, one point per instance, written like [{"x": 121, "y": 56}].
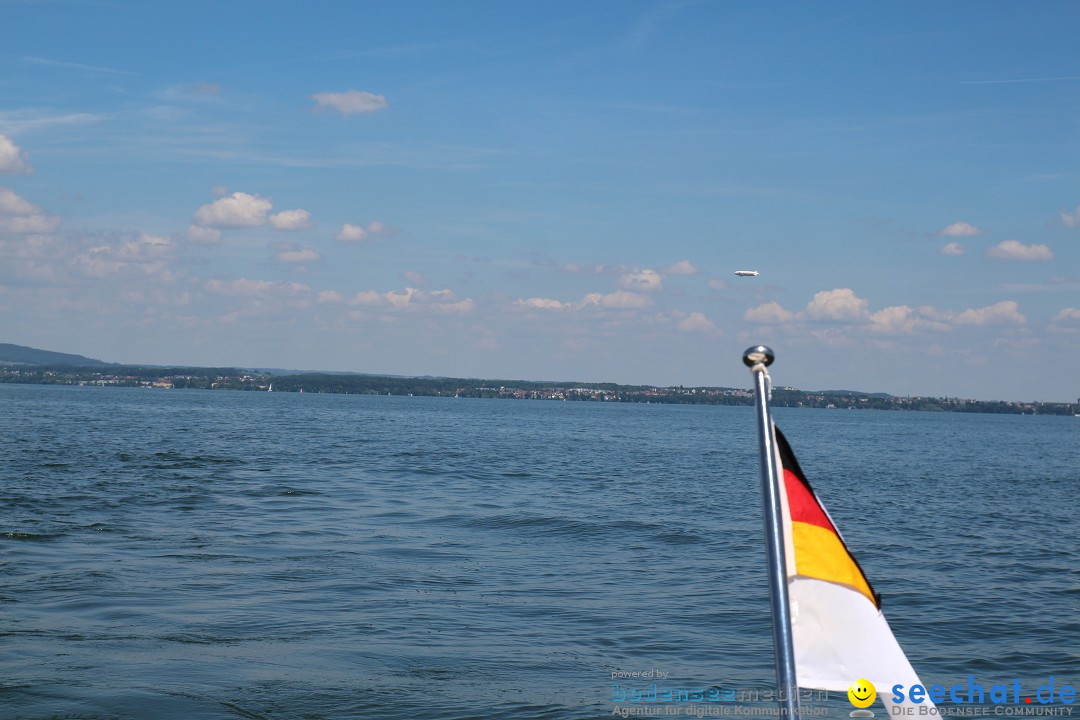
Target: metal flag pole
[{"x": 758, "y": 359}]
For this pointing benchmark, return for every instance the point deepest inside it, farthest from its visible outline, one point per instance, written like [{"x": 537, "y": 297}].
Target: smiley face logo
[{"x": 862, "y": 693}]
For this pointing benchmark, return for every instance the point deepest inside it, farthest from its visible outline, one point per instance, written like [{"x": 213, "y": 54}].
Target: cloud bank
[{"x": 842, "y": 306}]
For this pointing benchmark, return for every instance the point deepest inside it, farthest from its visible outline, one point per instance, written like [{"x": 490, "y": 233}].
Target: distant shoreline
[{"x": 249, "y": 380}]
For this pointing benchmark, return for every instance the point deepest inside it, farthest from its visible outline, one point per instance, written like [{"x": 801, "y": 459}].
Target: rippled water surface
[{"x": 220, "y": 555}]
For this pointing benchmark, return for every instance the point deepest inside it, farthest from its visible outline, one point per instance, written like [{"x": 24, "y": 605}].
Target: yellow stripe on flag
[{"x": 820, "y": 554}]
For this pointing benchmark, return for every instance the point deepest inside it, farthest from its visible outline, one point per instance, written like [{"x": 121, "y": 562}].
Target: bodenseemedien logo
[{"x": 862, "y": 694}]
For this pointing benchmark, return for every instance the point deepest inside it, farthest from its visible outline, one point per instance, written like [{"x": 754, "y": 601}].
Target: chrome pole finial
[{"x": 758, "y": 355}]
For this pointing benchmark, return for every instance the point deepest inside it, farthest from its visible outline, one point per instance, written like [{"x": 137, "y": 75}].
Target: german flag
[
  {"x": 820, "y": 550},
  {"x": 838, "y": 630}
]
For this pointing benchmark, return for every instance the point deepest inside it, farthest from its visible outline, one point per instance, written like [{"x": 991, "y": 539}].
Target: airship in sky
[{"x": 747, "y": 273}]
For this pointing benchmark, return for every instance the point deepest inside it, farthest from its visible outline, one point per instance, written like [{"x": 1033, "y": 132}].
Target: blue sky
[{"x": 550, "y": 190}]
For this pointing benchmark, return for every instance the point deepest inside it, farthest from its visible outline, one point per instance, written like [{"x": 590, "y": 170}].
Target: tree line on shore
[{"x": 254, "y": 380}]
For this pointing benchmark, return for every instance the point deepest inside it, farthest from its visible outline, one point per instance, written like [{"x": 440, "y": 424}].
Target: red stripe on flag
[{"x": 802, "y": 504}]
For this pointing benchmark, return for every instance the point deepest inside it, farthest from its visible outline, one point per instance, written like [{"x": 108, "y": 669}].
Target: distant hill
[
  {"x": 852, "y": 393},
  {"x": 283, "y": 371},
  {"x": 22, "y": 355}
]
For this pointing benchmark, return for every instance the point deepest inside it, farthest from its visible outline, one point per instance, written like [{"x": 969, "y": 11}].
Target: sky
[{"x": 550, "y": 191}]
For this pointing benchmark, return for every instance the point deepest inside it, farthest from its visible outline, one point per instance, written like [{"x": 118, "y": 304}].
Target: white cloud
[
  {"x": 837, "y": 305},
  {"x": 237, "y": 210},
  {"x": 1013, "y": 250},
  {"x": 1066, "y": 321},
  {"x": 902, "y": 320},
  {"x": 330, "y": 297},
  {"x": 1067, "y": 314},
  {"x": 843, "y": 306},
  {"x": 462, "y": 307},
  {"x": 618, "y": 300},
  {"x": 352, "y": 102},
  {"x": 716, "y": 284},
  {"x": 291, "y": 220},
  {"x": 960, "y": 229},
  {"x": 1071, "y": 219},
  {"x": 410, "y": 299},
  {"x": 206, "y": 236},
  {"x": 683, "y": 267},
  {"x": 20, "y": 217},
  {"x": 641, "y": 281},
  {"x": 542, "y": 304},
  {"x": 12, "y": 159},
  {"x": 696, "y": 322},
  {"x": 1003, "y": 313},
  {"x": 148, "y": 255},
  {"x": 953, "y": 248},
  {"x": 356, "y": 234},
  {"x": 899, "y": 319},
  {"x": 246, "y": 287},
  {"x": 352, "y": 234},
  {"x": 367, "y": 297},
  {"x": 770, "y": 313},
  {"x": 12, "y": 204},
  {"x": 400, "y": 298}
]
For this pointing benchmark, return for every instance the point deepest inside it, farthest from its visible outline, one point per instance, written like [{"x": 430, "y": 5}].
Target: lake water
[{"x": 220, "y": 555}]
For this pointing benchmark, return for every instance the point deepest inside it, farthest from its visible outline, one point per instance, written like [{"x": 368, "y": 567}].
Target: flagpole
[{"x": 758, "y": 359}]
